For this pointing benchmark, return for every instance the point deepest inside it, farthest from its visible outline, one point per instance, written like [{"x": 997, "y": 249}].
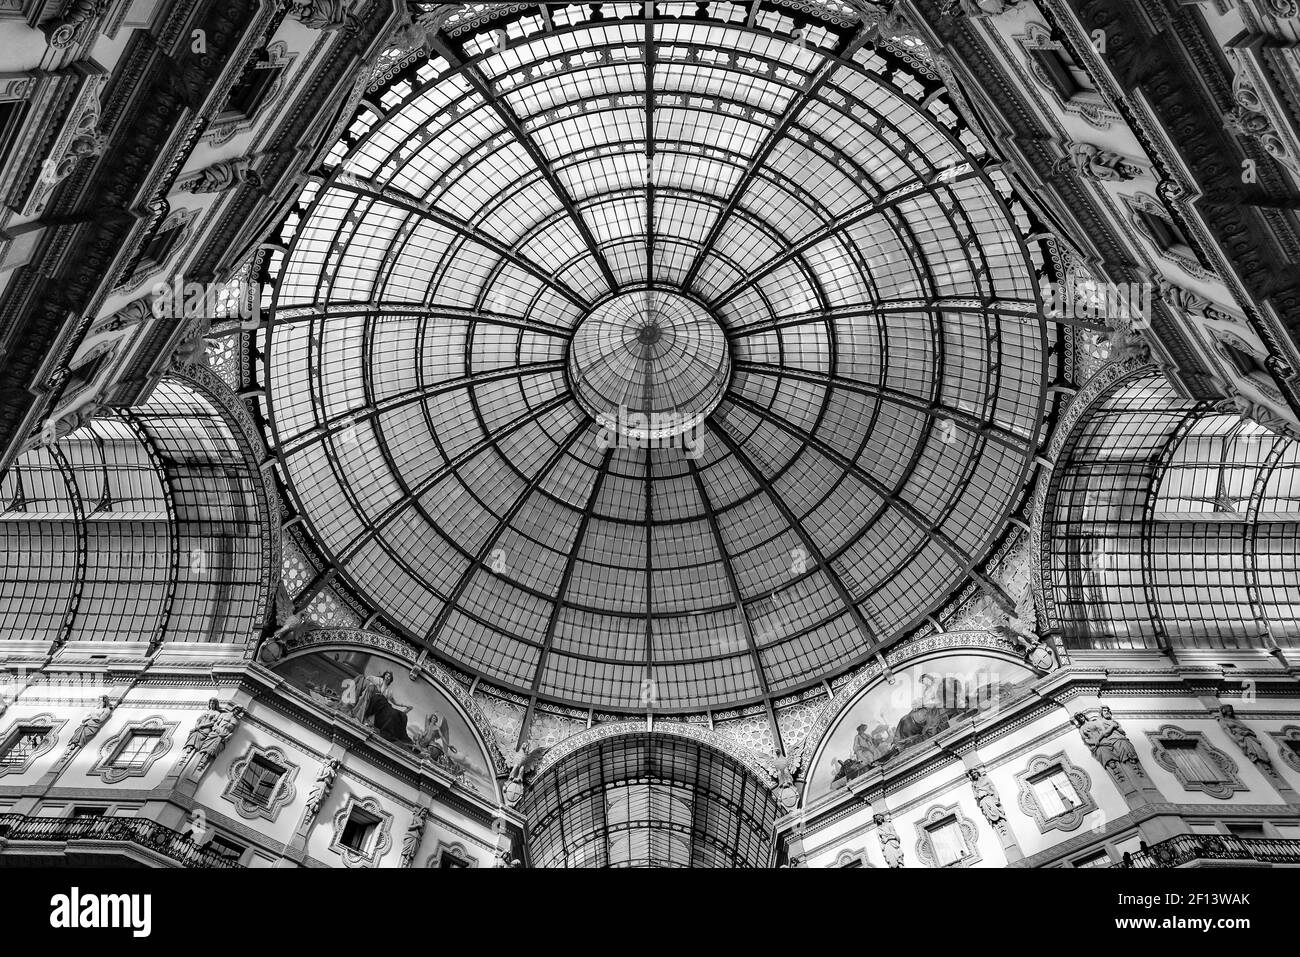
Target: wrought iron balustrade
[
  {"x": 1185, "y": 848},
  {"x": 131, "y": 830}
]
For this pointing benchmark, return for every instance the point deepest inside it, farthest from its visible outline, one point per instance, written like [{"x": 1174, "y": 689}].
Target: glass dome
[{"x": 673, "y": 362}]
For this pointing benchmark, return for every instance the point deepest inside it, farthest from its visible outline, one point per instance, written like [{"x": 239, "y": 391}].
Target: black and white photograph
[{"x": 769, "y": 435}]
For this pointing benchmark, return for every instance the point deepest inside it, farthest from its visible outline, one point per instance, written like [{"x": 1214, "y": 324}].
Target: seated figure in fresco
[{"x": 368, "y": 699}]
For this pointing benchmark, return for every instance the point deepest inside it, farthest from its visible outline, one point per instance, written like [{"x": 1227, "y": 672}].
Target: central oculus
[{"x": 650, "y": 364}]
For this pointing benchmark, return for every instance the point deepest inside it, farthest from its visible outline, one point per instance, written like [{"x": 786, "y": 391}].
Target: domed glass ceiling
[{"x": 655, "y": 362}]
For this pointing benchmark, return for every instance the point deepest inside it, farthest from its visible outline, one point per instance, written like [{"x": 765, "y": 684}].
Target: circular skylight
[
  {"x": 649, "y": 364},
  {"x": 792, "y": 239}
]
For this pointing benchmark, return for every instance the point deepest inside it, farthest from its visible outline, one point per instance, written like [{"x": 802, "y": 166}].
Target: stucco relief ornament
[
  {"x": 786, "y": 792},
  {"x": 1097, "y": 164},
  {"x": 321, "y": 788},
  {"x": 890, "y": 844},
  {"x": 522, "y": 763},
  {"x": 1126, "y": 344},
  {"x": 1245, "y": 739},
  {"x": 1254, "y": 411},
  {"x": 1021, "y": 633},
  {"x": 1108, "y": 742},
  {"x": 986, "y": 797},
  {"x": 1184, "y": 300},
  {"x": 292, "y": 626},
  {"x": 60, "y": 33},
  {"x": 982, "y": 8},
  {"x": 324, "y": 15},
  {"x": 222, "y": 176}
]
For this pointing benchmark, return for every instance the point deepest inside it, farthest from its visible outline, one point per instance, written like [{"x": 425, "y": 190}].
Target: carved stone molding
[
  {"x": 1223, "y": 790},
  {"x": 284, "y": 791},
  {"x": 80, "y": 139},
  {"x": 455, "y": 850},
  {"x": 10, "y": 736},
  {"x": 156, "y": 725},
  {"x": 1097, "y": 164},
  {"x": 925, "y": 851},
  {"x": 1288, "y": 745},
  {"x": 1027, "y": 797},
  {"x": 379, "y": 843}
]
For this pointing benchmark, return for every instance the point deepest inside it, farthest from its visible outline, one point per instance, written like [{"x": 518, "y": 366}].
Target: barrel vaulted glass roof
[{"x": 793, "y": 247}]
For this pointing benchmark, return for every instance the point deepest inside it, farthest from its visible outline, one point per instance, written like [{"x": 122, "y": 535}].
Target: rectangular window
[
  {"x": 12, "y": 114},
  {"x": 225, "y": 847},
  {"x": 1100, "y": 859},
  {"x": 451, "y": 860},
  {"x": 254, "y": 86},
  {"x": 948, "y": 843},
  {"x": 1064, "y": 74},
  {"x": 136, "y": 751},
  {"x": 359, "y": 831},
  {"x": 83, "y": 810},
  {"x": 1247, "y": 830},
  {"x": 22, "y": 744},
  {"x": 1055, "y": 794},
  {"x": 259, "y": 781},
  {"x": 1193, "y": 764},
  {"x": 1166, "y": 234}
]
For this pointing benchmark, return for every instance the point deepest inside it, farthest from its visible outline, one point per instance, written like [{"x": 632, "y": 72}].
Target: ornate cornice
[{"x": 93, "y": 213}]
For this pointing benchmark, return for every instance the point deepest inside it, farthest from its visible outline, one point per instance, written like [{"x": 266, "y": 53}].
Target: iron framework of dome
[{"x": 823, "y": 379}]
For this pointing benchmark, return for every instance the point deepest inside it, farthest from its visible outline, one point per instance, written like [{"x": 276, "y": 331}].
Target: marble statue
[
  {"x": 786, "y": 792},
  {"x": 223, "y": 175},
  {"x": 986, "y": 797},
  {"x": 890, "y": 844},
  {"x": 91, "y": 724},
  {"x": 321, "y": 788},
  {"x": 211, "y": 732},
  {"x": 1244, "y": 737},
  {"x": 1107, "y": 741},
  {"x": 1097, "y": 164},
  {"x": 414, "y": 834}
]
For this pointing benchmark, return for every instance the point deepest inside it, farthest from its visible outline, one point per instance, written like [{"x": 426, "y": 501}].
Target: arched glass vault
[
  {"x": 842, "y": 390},
  {"x": 649, "y": 800},
  {"x": 148, "y": 525},
  {"x": 1170, "y": 523}
]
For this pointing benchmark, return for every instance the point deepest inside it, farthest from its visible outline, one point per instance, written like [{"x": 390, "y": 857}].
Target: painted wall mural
[
  {"x": 886, "y": 720},
  {"x": 378, "y": 693}
]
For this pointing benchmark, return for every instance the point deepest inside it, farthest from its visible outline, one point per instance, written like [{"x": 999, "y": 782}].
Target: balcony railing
[
  {"x": 1185, "y": 848},
  {"x": 129, "y": 830}
]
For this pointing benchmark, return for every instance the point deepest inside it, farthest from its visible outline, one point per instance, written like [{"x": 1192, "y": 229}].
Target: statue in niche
[
  {"x": 414, "y": 834},
  {"x": 321, "y": 788},
  {"x": 986, "y": 797},
  {"x": 1244, "y": 737},
  {"x": 890, "y": 844},
  {"x": 1107, "y": 741},
  {"x": 91, "y": 724}
]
